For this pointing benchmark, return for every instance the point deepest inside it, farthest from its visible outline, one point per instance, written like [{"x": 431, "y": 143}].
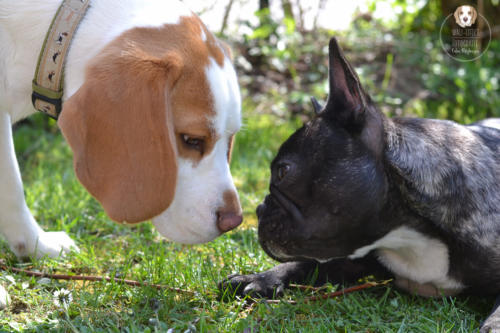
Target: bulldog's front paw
[
  {"x": 51, "y": 244},
  {"x": 267, "y": 284}
]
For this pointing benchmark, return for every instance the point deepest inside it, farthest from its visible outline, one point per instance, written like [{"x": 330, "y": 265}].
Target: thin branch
[
  {"x": 480, "y": 9},
  {"x": 94, "y": 278},
  {"x": 226, "y": 16},
  {"x": 330, "y": 295},
  {"x": 306, "y": 288},
  {"x": 189, "y": 292}
]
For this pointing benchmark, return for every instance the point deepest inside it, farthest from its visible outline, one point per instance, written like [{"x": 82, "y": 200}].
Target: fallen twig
[
  {"x": 94, "y": 278},
  {"x": 329, "y": 295},
  {"x": 306, "y": 288},
  {"x": 184, "y": 291}
]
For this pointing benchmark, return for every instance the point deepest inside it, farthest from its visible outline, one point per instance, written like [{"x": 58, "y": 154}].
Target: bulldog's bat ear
[{"x": 347, "y": 100}]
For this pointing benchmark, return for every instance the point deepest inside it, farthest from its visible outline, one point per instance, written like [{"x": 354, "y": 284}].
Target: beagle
[
  {"x": 465, "y": 16},
  {"x": 150, "y": 111}
]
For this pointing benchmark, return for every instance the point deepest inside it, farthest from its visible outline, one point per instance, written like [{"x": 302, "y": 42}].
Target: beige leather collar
[{"x": 49, "y": 74}]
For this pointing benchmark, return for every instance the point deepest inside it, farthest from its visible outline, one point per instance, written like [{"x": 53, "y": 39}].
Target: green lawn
[{"x": 60, "y": 203}]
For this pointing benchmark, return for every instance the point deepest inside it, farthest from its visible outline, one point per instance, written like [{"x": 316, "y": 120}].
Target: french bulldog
[{"x": 355, "y": 193}]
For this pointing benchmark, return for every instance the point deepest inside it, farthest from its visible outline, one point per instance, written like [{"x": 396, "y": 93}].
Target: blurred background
[{"x": 281, "y": 48}]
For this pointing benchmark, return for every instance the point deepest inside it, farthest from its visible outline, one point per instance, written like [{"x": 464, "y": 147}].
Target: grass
[{"x": 59, "y": 202}]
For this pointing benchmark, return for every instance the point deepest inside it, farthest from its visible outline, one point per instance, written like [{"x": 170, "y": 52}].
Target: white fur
[
  {"x": 4, "y": 298},
  {"x": 226, "y": 94},
  {"x": 191, "y": 217},
  {"x": 17, "y": 224},
  {"x": 23, "y": 25},
  {"x": 490, "y": 122},
  {"x": 465, "y": 18},
  {"x": 412, "y": 255}
]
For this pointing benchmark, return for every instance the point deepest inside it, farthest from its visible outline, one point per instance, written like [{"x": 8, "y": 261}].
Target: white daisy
[{"x": 63, "y": 298}]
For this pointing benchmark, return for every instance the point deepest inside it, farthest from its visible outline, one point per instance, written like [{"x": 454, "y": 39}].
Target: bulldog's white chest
[{"x": 419, "y": 262}]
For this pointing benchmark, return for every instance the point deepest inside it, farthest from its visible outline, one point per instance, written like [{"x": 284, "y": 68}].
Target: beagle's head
[
  {"x": 465, "y": 16},
  {"x": 152, "y": 129}
]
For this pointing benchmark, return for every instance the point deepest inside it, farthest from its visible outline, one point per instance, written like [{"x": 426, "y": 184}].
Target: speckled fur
[{"x": 449, "y": 174}]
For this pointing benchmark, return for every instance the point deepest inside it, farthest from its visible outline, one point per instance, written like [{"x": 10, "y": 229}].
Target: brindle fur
[{"x": 351, "y": 175}]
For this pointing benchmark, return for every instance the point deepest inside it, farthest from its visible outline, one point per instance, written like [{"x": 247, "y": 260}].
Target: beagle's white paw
[
  {"x": 4, "y": 298},
  {"x": 53, "y": 244}
]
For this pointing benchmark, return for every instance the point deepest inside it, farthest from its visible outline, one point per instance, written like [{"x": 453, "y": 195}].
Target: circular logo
[{"x": 465, "y": 35}]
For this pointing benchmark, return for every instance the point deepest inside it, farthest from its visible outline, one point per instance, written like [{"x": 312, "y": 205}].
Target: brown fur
[
  {"x": 474, "y": 15},
  {"x": 144, "y": 91},
  {"x": 457, "y": 12},
  {"x": 231, "y": 203}
]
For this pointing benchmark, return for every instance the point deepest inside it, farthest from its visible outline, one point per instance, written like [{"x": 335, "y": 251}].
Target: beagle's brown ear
[
  {"x": 457, "y": 18},
  {"x": 119, "y": 126},
  {"x": 474, "y": 15}
]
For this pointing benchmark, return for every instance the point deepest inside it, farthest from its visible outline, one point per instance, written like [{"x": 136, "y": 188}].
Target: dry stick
[
  {"x": 306, "y": 288},
  {"x": 332, "y": 294},
  {"x": 94, "y": 278},
  {"x": 341, "y": 292},
  {"x": 178, "y": 290}
]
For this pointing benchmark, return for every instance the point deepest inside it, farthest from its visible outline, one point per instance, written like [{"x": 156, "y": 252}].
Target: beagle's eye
[
  {"x": 193, "y": 142},
  {"x": 282, "y": 171}
]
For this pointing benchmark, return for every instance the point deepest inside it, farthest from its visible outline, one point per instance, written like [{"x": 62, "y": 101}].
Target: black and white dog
[{"x": 355, "y": 193}]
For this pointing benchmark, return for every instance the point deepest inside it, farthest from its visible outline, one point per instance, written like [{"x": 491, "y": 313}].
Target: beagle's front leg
[
  {"x": 17, "y": 225},
  {"x": 4, "y": 298}
]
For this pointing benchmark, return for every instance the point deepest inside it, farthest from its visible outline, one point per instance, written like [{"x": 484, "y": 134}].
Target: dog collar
[{"x": 48, "y": 81}]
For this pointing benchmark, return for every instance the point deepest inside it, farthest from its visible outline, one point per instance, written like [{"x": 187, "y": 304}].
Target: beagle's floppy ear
[
  {"x": 119, "y": 126},
  {"x": 456, "y": 15},
  {"x": 474, "y": 15}
]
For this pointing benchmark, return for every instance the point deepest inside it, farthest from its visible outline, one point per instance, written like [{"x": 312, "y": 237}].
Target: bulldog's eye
[
  {"x": 283, "y": 170},
  {"x": 193, "y": 143}
]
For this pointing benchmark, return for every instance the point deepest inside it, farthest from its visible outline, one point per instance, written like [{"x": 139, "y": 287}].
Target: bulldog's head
[{"x": 327, "y": 181}]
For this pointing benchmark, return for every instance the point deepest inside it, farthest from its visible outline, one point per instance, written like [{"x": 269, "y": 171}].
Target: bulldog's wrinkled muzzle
[{"x": 287, "y": 204}]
